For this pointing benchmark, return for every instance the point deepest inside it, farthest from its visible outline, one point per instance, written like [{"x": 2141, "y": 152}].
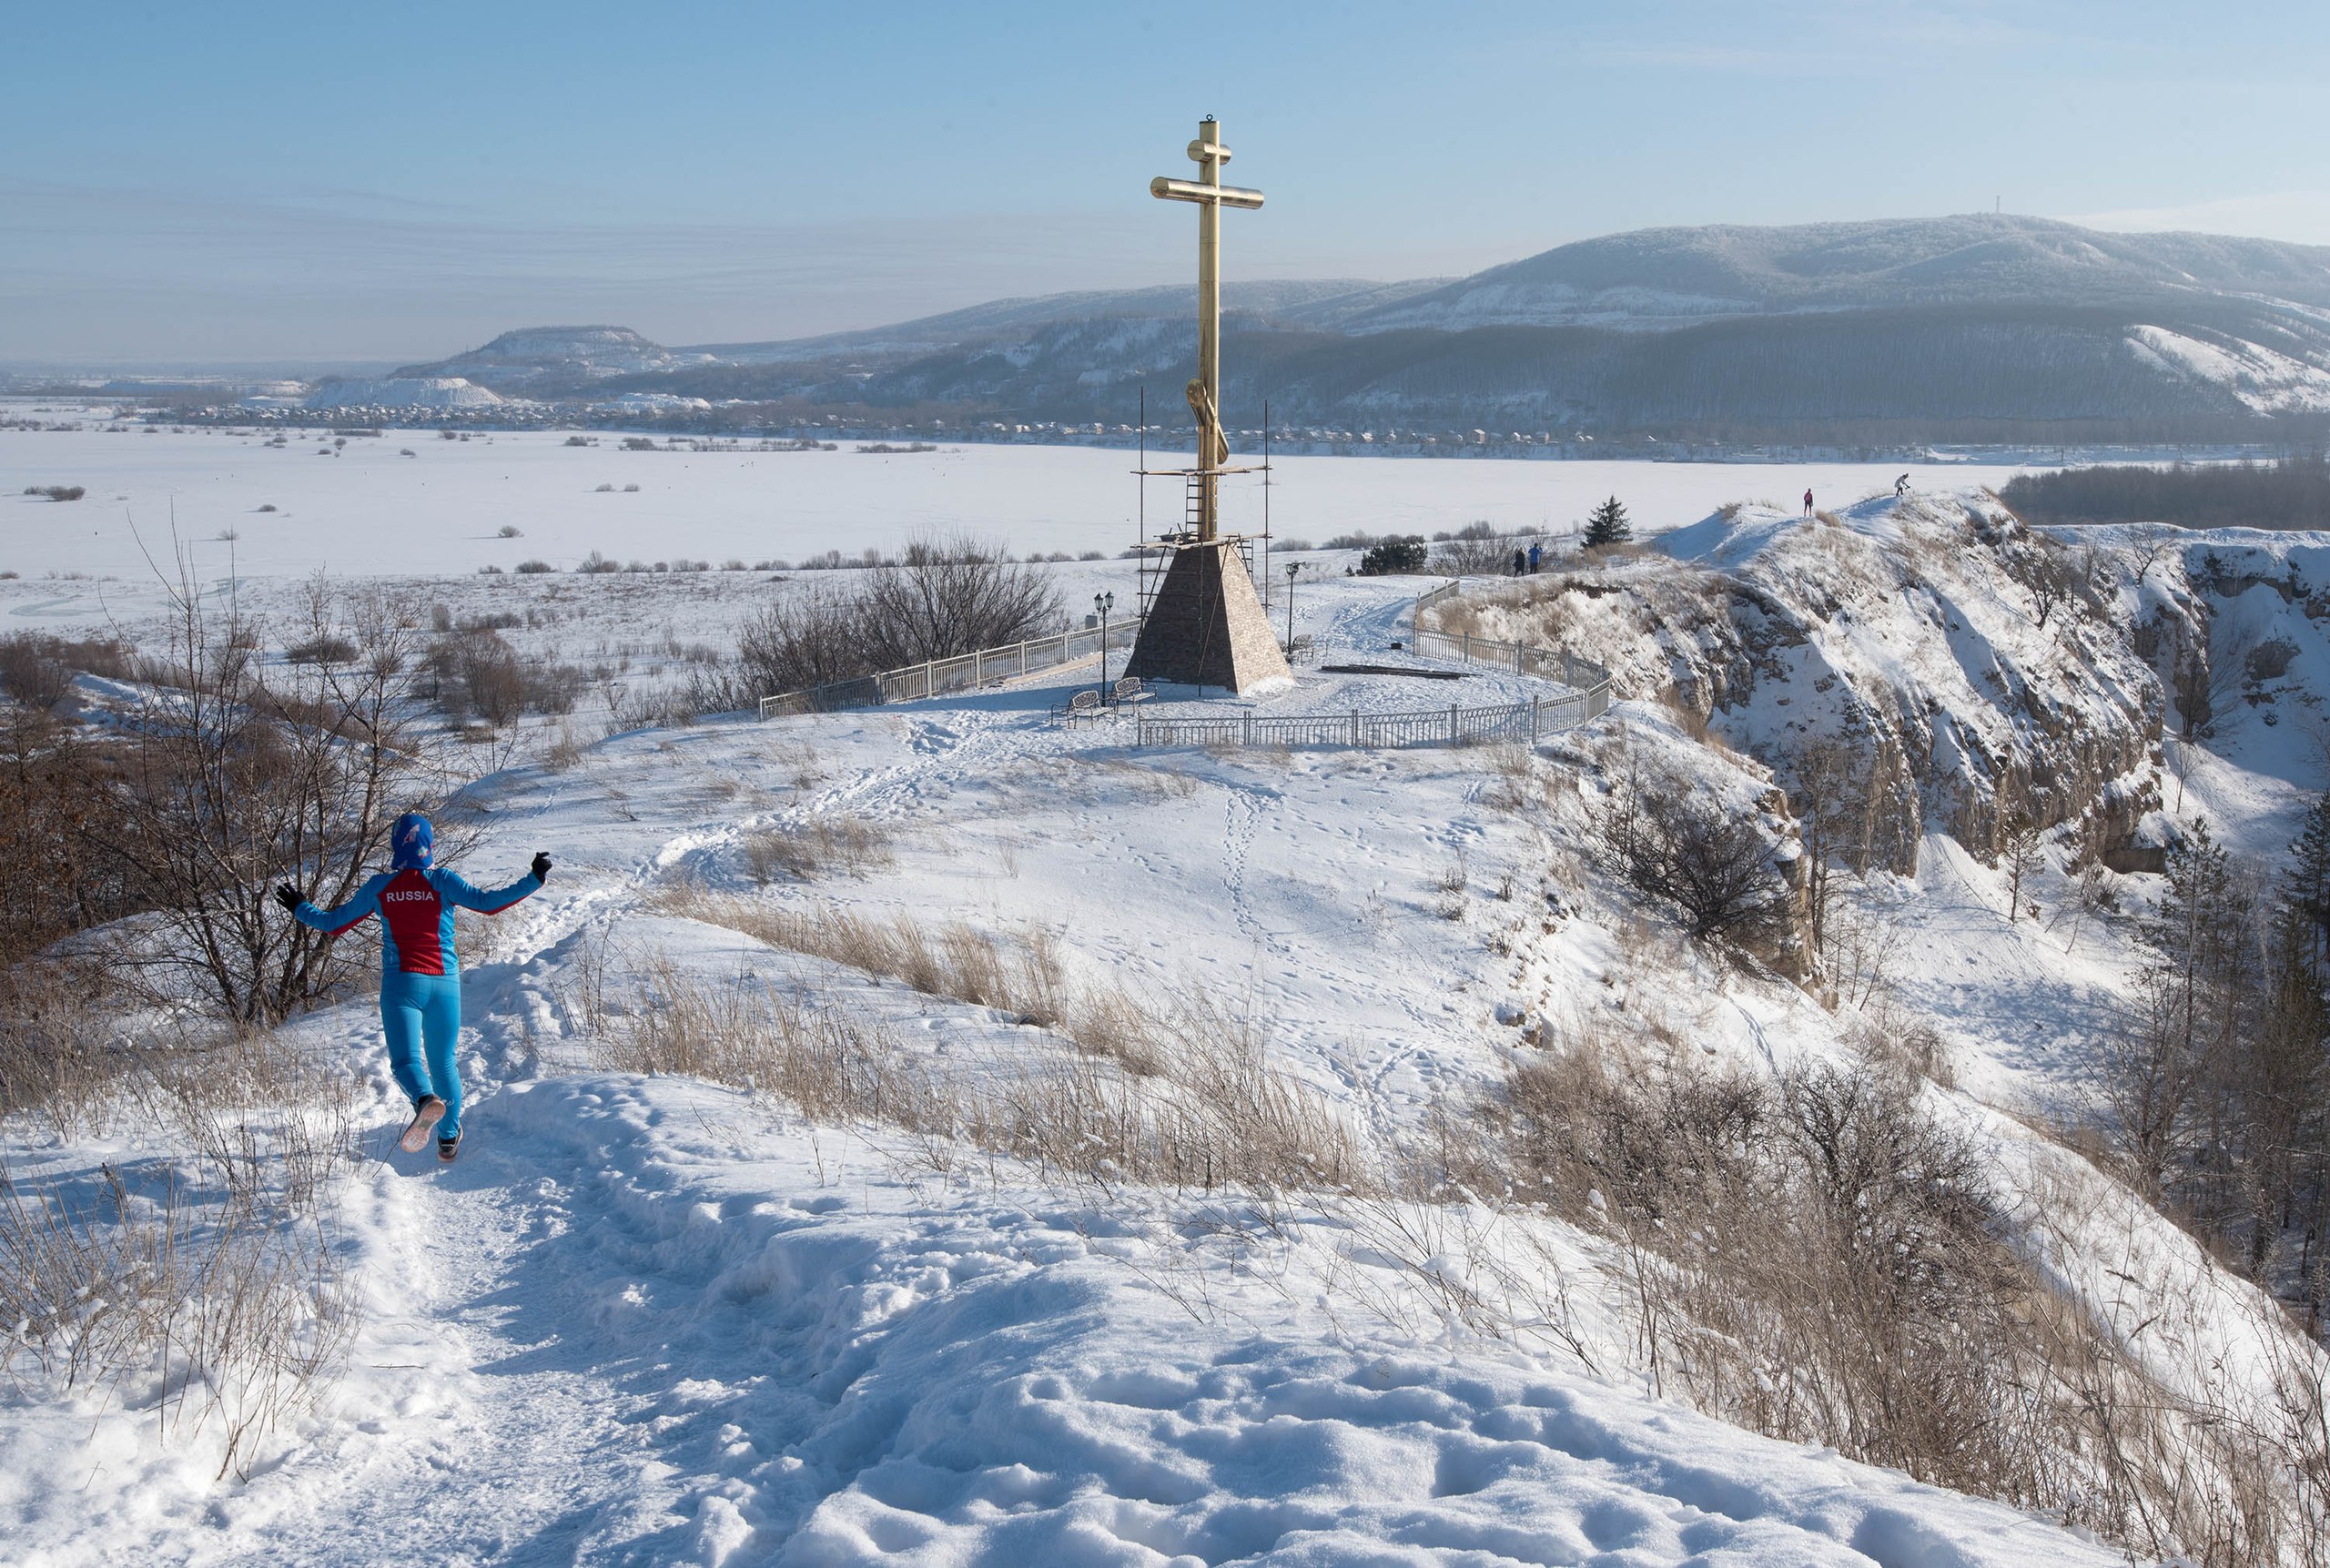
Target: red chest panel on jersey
[{"x": 416, "y": 922}]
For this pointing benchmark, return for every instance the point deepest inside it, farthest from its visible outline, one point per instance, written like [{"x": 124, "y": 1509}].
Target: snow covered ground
[
  {"x": 650, "y": 1320},
  {"x": 370, "y": 510},
  {"x": 647, "y": 1320}
]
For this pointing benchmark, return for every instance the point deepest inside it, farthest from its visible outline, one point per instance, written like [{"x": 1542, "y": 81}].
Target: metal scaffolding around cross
[{"x": 1202, "y": 623}]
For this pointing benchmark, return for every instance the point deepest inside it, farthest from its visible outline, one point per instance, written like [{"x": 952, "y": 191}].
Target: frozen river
[{"x": 372, "y": 510}]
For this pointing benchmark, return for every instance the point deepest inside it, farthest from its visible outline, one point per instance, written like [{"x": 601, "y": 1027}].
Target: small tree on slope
[{"x": 1608, "y": 524}]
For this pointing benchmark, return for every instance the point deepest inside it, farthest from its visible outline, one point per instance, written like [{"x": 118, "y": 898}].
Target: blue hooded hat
[{"x": 409, "y": 842}]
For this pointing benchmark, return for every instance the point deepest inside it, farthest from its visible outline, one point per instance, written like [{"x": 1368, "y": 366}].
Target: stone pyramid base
[{"x": 1207, "y": 627}]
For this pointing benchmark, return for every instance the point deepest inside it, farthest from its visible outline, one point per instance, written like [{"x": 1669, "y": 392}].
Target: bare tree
[
  {"x": 954, "y": 596},
  {"x": 2094, "y": 896},
  {"x": 1828, "y": 790},
  {"x": 2022, "y": 853},
  {"x": 2192, "y": 1010},
  {"x": 233, "y": 777}
]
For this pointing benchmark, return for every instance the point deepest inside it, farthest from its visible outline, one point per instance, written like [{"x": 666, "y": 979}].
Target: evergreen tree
[
  {"x": 1401, "y": 552},
  {"x": 1608, "y": 524},
  {"x": 2306, "y": 884}
]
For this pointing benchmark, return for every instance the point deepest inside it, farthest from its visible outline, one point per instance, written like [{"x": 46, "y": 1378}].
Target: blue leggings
[{"x": 418, "y": 1008}]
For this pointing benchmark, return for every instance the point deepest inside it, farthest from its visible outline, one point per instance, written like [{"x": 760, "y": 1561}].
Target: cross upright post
[
  {"x": 1203, "y": 625},
  {"x": 1204, "y": 393}
]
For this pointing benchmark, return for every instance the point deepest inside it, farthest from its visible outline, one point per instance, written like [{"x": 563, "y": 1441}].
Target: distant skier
[
  {"x": 1901, "y": 487},
  {"x": 1536, "y": 550},
  {"x": 421, "y": 978},
  {"x": 1808, "y": 503}
]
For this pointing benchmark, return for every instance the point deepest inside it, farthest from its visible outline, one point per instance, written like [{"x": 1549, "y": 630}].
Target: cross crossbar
[{"x": 1238, "y": 195}]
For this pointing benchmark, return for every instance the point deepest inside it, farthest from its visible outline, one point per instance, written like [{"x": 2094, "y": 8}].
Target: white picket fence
[{"x": 1456, "y": 726}]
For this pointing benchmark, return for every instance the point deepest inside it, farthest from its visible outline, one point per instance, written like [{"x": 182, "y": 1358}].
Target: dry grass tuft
[
  {"x": 1822, "y": 1259},
  {"x": 205, "y": 1287},
  {"x": 805, "y": 851},
  {"x": 1211, "y": 1113},
  {"x": 1021, "y": 975}
]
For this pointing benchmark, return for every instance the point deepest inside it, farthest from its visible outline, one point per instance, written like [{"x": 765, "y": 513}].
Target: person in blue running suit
[{"x": 420, "y": 978}]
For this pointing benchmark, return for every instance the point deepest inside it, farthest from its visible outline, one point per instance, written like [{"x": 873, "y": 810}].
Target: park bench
[
  {"x": 1085, "y": 704},
  {"x": 1301, "y": 650},
  {"x": 1129, "y": 689}
]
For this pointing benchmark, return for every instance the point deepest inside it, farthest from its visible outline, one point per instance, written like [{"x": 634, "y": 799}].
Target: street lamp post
[
  {"x": 1102, "y": 604},
  {"x": 1292, "y": 567}
]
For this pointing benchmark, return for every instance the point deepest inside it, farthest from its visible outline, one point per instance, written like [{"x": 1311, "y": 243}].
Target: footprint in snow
[{"x": 930, "y": 739}]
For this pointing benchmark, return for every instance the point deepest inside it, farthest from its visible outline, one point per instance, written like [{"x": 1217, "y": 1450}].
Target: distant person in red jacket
[{"x": 1808, "y": 503}]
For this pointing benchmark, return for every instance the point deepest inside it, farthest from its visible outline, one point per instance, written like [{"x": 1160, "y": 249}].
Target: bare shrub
[
  {"x": 1896, "y": 1040},
  {"x": 477, "y": 673},
  {"x": 53, "y": 1065},
  {"x": 1822, "y": 1259},
  {"x": 39, "y": 669},
  {"x": 806, "y": 638},
  {"x": 1674, "y": 843},
  {"x": 564, "y": 750},
  {"x": 1473, "y": 549},
  {"x": 329, "y": 649},
  {"x": 60, "y": 802},
  {"x": 942, "y": 598}
]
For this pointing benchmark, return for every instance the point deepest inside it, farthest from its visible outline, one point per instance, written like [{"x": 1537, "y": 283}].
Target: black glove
[
  {"x": 288, "y": 897},
  {"x": 541, "y": 865}
]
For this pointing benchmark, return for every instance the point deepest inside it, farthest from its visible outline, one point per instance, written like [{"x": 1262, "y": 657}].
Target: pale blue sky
[{"x": 258, "y": 181}]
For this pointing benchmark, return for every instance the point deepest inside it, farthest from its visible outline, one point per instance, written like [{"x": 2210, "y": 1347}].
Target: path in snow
[{"x": 659, "y": 1327}]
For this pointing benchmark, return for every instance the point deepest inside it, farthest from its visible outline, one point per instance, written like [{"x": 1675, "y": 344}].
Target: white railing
[
  {"x": 1454, "y": 725},
  {"x": 1588, "y": 698},
  {"x": 1431, "y": 596},
  {"x": 1547, "y": 663},
  {"x": 966, "y": 671}
]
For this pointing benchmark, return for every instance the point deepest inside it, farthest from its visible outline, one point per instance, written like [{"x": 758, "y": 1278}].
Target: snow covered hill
[
  {"x": 560, "y": 357},
  {"x": 1656, "y": 278},
  {"x": 1970, "y": 669},
  {"x": 1735, "y": 332},
  {"x": 403, "y": 391},
  {"x": 649, "y": 1320},
  {"x": 928, "y": 1134}
]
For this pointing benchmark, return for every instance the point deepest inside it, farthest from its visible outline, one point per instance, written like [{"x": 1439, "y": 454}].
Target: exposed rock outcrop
[{"x": 1943, "y": 664}]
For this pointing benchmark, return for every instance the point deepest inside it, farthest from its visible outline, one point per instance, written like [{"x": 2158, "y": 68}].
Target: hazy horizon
[{"x": 271, "y": 184}]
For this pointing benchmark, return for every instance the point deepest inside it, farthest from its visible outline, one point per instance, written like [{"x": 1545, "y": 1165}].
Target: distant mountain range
[{"x": 1975, "y": 327}]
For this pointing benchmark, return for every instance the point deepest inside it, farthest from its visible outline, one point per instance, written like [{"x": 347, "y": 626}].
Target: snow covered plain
[
  {"x": 371, "y": 511},
  {"x": 650, "y": 1320}
]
